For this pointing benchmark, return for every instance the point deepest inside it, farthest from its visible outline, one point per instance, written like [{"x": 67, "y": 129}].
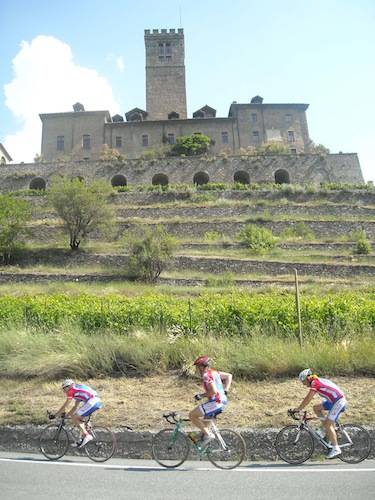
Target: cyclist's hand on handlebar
[
  {"x": 51, "y": 416},
  {"x": 198, "y": 397}
]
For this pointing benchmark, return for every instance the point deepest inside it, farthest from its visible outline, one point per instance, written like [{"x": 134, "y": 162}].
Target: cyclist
[
  {"x": 333, "y": 401},
  {"x": 80, "y": 394},
  {"x": 215, "y": 384}
]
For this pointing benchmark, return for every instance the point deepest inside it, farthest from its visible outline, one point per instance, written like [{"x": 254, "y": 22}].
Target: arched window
[
  {"x": 118, "y": 180},
  {"x": 282, "y": 177},
  {"x": 201, "y": 178},
  {"x": 242, "y": 177},
  {"x": 160, "y": 180},
  {"x": 37, "y": 183}
]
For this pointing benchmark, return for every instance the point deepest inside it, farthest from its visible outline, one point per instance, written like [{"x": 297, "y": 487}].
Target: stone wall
[{"x": 301, "y": 169}]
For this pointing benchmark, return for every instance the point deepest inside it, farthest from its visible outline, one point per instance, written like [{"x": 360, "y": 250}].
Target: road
[{"x": 32, "y": 477}]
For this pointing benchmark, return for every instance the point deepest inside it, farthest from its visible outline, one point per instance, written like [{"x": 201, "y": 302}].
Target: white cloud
[
  {"x": 46, "y": 80},
  {"x": 119, "y": 61}
]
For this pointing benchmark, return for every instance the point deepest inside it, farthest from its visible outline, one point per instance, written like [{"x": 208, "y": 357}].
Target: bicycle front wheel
[
  {"x": 294, "y": 444},
  {"x": 53, "y": 441},
  {"x": 355, "y": 443},
  {"x": 170, "y": 448},
  {"x": 103, "y": 445},
  {"x": 227, "y": 450}
]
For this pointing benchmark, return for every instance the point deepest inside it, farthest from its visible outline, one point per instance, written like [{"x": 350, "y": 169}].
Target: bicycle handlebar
[
  {"x": 173, "y": 418},
  {"x": 296, "y": 414}
]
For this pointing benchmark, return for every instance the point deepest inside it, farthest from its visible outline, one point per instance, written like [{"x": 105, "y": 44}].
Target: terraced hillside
[{"x": 316, "y": 230}]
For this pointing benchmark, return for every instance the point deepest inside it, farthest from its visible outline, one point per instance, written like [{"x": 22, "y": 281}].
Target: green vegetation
[
  {"x": 82, "y": 208},
  {"x": 257, "y": 239},
  {"x": 150, "y": 251},
  {"x": 332, "y": 316},
  {"x": 363, "y": 246},
  {"x": 298, "y": 232},
  {"x": 14, "y": 213},
  {"x": 191, "y": 145},
  {"x": 70, "y": 352}
]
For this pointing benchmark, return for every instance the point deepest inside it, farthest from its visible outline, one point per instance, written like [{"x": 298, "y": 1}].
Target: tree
[
  {"x": 82, "y": 208},
  {"x": 191, "y": 145},
  {"x": 150, "y": 251},
  {"x": 14, "y": 213}
]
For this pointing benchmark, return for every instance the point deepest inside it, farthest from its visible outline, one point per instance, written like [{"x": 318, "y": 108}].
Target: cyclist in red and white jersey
[
  {"x": 215, "y": 384},
  {"x": 333, "y": 401},
  {"x": 86, "y": 402}
]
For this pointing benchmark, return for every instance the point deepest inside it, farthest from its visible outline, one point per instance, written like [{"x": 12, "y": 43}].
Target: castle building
[{"x": 81, "y": 134}]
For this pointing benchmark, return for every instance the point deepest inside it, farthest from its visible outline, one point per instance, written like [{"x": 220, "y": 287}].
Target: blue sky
[{"x": 318, "y": 52}]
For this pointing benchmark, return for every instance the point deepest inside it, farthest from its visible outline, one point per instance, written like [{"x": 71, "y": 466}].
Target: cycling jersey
[
  {"x": 213, "y": 377},
  {"x": 327, "y": 389},
  {"x": 81, "y": 392}
]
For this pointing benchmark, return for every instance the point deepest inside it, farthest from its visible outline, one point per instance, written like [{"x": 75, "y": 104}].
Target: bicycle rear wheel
[
  {"x": 361, "y": 443},
  {"x": 170, "y": 448},
  {"x": 103, "y": 446},
  {"x": 227, "y": 452},
  {"x": 53, "y": 441},
  {"x": 294, "y": 444}
]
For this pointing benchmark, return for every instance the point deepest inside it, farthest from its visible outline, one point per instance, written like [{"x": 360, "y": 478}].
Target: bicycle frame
[
  {"x": 178, "y": 422},
  {"x": 305, "y": 425}
]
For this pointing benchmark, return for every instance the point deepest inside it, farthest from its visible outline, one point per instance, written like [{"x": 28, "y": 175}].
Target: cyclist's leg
[
  {"x": 336, "y": 409},
  {"x": 208, "y": 409},
  {"x": 318, "y": 410},
  {"x": 84, "y": 411}
]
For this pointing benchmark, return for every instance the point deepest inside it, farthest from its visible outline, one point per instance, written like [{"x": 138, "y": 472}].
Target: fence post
[
  {"x": 190, "y": 317},
  {"x": 298, "y": 307}
]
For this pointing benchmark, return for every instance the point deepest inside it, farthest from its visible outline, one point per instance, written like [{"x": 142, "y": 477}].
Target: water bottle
[{"x": 194, "y": 436}]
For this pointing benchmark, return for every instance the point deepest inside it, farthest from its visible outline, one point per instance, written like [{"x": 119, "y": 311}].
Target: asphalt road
[{"x": 33, "y": 478}]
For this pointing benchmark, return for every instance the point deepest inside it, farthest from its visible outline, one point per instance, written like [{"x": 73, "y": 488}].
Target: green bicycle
[{"x": 171, "y": 446}]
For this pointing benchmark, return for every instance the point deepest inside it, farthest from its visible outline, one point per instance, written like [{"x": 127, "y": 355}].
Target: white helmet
[
  {"x": 67, "y": 383},
  {"x": 304, "y": 374}
]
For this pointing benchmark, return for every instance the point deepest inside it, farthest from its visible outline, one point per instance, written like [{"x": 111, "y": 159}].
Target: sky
[{"x": 322, "y": 52}]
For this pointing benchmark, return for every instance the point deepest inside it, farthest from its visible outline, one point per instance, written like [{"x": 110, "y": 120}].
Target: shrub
[
  {"x": 363, "y": 246},
  {"x": 258, "y": 239},
  {"x": 14, "y": 213},
  {"x": 150, "y": 250}
]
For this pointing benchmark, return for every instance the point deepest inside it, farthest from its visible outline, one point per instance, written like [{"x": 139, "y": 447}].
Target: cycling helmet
[
  {"x": 304, "y": 374},
  {"x": 67, "y": 383},
  {"x": 202, "y": 361}
]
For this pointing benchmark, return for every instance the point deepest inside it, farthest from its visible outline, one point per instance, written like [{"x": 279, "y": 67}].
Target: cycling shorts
[
  {"x": 89, "y": 407},
  {"x": 334, "y": 409},
  {"x": 211, "y": 408}
]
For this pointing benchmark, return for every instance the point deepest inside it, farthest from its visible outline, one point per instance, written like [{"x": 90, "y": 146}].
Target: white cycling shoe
[
  {"x": 335, "y": 452},
  {"x": 86, "y": 440}
]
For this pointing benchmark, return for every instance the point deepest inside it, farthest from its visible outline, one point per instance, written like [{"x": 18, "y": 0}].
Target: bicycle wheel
[
  {"x": 53, "y": 441},
  {"x": 103, "y": 446},
  {"x": 361, "y": 443},
  {"x": 294, "y": 445},
  {"x": 170, "y": 448},
  {"x": 227, "y": 450}
]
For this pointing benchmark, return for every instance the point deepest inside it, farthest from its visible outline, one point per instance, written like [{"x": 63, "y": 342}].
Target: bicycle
[
  {"x": 56, "y": 438},
  {"x": 296, "y": 443},
  {"x": 171, "y": 446}
]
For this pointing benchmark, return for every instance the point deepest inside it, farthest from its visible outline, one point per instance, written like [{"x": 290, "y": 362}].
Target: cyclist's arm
[
  {"x": 227, "y": 380},
  {"x": 307, "y": 400},
  {"x": 73, "y": 409},
  {"x": 62, "y": 407}
]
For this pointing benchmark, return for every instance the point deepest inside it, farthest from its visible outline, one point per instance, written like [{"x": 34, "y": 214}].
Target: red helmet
[{"x": 202, "y": 361}]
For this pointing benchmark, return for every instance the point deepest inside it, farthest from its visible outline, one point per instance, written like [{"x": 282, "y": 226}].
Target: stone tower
[{"x": 165, "y": 74}]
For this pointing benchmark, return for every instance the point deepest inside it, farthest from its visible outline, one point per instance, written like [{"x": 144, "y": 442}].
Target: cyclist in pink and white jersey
[
  {"x": 215, "y": 384},
  {"x": 333, "y": 401},
  {"x": 81, "y": 395}
]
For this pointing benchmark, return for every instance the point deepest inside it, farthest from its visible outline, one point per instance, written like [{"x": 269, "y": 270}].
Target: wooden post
[{"x": 298, "y": 306}]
